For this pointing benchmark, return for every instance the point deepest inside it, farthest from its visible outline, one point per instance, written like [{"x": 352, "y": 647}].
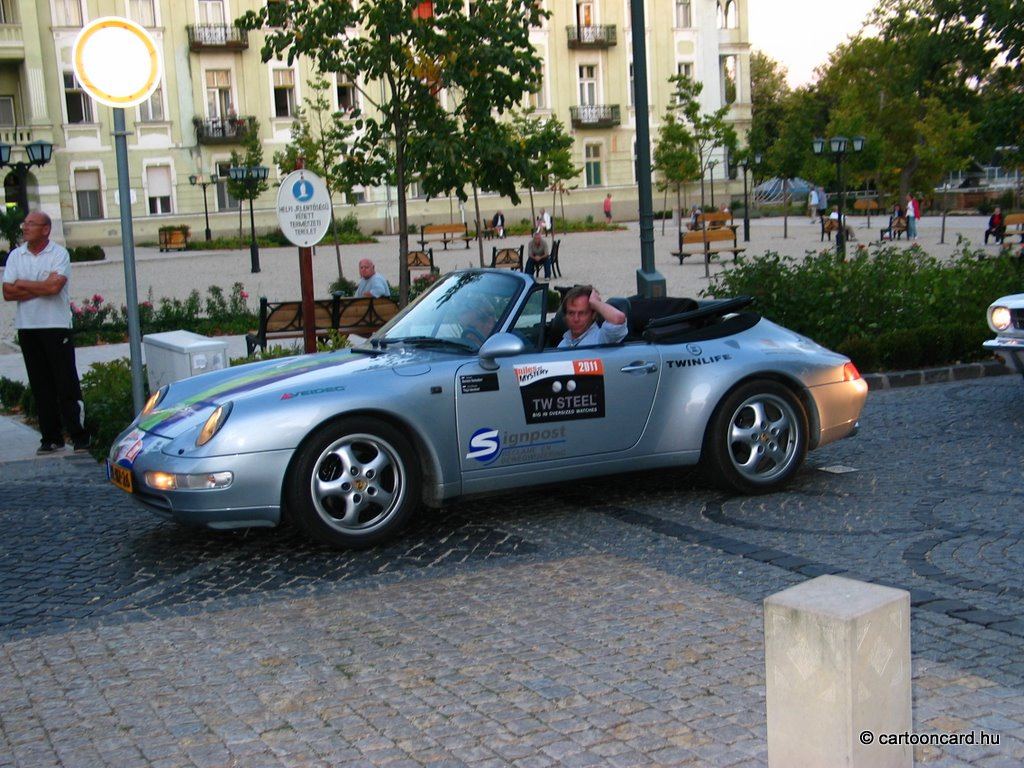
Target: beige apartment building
[{"x": 215, "y": 88}]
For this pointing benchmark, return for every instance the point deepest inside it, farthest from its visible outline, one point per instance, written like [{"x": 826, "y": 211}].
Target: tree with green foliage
[
  {"x": 546, "y": 152},
  {"x": 675, "y": 158},
  {"x": 320, "y": 137},
  {"x": 709, "y": 131},
  {"x": 437, "y": 80}
]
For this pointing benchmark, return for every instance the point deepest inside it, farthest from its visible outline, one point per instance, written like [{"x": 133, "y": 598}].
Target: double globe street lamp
[
  {"x": 251, "y": 177},
  {"x": 39, "y": 154},
  {"x": 838, "y": 146}
]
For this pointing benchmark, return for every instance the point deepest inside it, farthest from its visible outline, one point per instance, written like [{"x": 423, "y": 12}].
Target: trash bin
[{"x": 176, "y": 355}]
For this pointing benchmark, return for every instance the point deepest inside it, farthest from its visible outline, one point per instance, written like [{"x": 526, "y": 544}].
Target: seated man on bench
[
  {"x": 996, "y": 226},
  {"x": 370, "y": 283}
]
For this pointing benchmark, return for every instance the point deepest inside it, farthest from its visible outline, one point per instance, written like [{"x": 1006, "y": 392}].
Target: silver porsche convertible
[{"x": 465, "y": 392}]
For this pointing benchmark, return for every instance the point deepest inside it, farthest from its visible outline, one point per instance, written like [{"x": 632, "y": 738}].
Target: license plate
[{"x": 120, "y": 477}]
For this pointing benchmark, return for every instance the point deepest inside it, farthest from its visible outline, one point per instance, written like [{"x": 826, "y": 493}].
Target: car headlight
[
  {"x": 213, "y": 424},
  {"x": 170, "y": 481},
  {"x": 154, "y": 400},
  {"x": 999, "y": 319}
]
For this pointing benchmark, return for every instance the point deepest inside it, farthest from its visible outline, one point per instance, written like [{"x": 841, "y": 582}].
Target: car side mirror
[{"x": 500, "y": 345}]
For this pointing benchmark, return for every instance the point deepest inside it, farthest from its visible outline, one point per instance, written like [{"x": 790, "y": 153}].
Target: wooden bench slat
[{"x": 361, "y": 315}]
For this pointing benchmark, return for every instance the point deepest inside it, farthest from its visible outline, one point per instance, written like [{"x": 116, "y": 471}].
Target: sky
[{"x": 800, "y": 34}]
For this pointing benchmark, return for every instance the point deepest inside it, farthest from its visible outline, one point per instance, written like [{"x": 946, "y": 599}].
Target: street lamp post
[
  {"x": 838, "y": 146},
  {"x": 746, "y": 164},
  {"x": 204, "y": 183},
  {"x": 251, "y": 176},
  {"x": 39, "y": 154},
  {"x": 711, "y": 169}
]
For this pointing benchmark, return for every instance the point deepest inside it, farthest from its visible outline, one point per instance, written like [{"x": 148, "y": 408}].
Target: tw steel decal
[{"x": 562, "y": 390}]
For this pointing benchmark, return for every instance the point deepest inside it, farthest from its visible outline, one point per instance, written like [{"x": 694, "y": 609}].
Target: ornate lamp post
[
  {"x": 204, "y": 183},
  {"x": 251, "y": 176},
  {"x": 838, "y": 146},
  {"x": 39, "y": 154},
  {"x": 746, "y": 164}
]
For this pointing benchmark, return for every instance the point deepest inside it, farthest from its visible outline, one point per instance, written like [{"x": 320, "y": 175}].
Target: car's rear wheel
[
  {"x": 354, "y": 483},
  {"x": 757, "y": 438}
]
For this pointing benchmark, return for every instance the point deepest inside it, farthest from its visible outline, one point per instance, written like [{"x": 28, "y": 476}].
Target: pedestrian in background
[
  {"x": 812, "y": 204},
  {"x": 913, "y": 214},
  {"x": 36, "y": 276},
  {"x": 608, "y": 208}
]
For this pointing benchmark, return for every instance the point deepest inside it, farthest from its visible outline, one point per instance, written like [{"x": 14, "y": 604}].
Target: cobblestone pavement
[{"x": 617, "y": 622}]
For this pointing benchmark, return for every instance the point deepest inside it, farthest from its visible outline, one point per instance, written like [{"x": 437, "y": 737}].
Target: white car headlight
[
  {"x": 999, "y": 319},
  {"x": 213, "y": 424}
]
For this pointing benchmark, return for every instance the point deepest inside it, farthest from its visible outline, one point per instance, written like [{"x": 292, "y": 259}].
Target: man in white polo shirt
[{"x": 36, "y": 276}]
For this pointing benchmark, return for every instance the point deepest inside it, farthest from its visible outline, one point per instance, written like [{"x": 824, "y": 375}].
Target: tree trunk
[{"x": 479, "y": 225}]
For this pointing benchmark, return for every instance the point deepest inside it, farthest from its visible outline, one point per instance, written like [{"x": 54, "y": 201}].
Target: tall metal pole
[
  {"x": 206, "y": 212},
  {"x": 841, "y": 231},
  {"x": 254, "y": 247},
  {"x": 648, "y": 281},
  {"x": 746, "y": 205},
  {"x": 131, "y": 292}
]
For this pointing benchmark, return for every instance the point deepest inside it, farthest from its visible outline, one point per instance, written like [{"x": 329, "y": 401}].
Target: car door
[{"x": 554, "y": 406}]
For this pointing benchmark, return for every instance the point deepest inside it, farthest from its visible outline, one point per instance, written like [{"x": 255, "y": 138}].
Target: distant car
[
  {"x": 1006, "y": 317},
  {"x": 465, "y": 393}
]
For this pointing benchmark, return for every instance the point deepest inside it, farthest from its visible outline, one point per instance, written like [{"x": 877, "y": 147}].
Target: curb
[{"x": 963, "y": 372}]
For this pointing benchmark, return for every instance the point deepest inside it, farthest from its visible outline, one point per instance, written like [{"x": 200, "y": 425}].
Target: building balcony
[
  {"x": 592, "y": 37},
  {"x": 12, "y": 43},
  {"x": 217, "y": 37},
  {"x": 595, "y": 116},
  {"x": 222, "y": 130}
]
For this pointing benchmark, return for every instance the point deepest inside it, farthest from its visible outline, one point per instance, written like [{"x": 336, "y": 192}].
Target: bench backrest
[
  {"x": 702, "y": 236},
  {"x": 420, "y": 260},
  {"x": 1014, "y": 219},
  {"x": 287, "y": 315},
  {"x": 444, "y": 229},
  {"x": 507, "y": 258},
  {"x": 364, "y": 314},
  {"x": 714, "y": 219}
]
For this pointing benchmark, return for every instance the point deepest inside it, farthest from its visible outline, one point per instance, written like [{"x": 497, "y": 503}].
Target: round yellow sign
[{"x": 116, "y": 61}]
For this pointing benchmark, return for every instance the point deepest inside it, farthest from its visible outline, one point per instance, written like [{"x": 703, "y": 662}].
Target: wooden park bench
[
  {"x": 708, "y": 242},
  {"x": 896, "y": 229},
  {"x": 444, "y": 233},
  {"x": 361, "y": 315},
  {"x": 421, "y": 260},
  {"x": 1014, "y": 224},
  {"x": 828, "y": 226},
  {"x": 507, "y": 258}
]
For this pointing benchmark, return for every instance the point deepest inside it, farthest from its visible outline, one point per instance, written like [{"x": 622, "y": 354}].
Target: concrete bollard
[{"x": 837, "y": 673}]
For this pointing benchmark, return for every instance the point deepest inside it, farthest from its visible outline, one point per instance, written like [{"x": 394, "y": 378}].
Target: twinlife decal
[
  {"x": 562, "y": 391},
  {"x": 699, "y": 358},
  {"x": 488, "y": 444}
]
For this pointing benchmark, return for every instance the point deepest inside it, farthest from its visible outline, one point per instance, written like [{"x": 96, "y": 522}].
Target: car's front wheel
[
  {"x": 354, "y": 483},
  {"x": 757, "y": 438}
]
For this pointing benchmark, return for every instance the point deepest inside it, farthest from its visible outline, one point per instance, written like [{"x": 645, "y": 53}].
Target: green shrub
[
  {"x": 11, "y": 392},
  {"x": 886, "y": 307},
  {"x": 107, "y": 393},
  {"x": 86, "y": 253},
  {"x": 344, "y": 286}
]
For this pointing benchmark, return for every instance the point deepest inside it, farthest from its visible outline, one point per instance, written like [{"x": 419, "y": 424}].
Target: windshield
[{"x": 463, "y": 307}]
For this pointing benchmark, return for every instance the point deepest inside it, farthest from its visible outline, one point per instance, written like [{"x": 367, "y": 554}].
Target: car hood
[{"x": 189, "y": 402}]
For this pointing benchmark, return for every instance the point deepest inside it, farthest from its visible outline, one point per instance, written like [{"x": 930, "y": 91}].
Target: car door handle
[{"x": 640, "y": 367}]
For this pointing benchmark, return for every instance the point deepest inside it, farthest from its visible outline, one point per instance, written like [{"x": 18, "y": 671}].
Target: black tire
[
  {"x": 756, "y": 439},
  {"x": 354, "y": 484}
]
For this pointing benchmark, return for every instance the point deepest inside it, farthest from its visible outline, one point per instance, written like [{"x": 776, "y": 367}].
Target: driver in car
[
  {"x": 581, "y": 307},
  {"x": 476, "y": 316}
]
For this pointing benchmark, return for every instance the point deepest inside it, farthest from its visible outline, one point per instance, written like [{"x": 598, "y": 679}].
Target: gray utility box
[{"x": 176, "y": 355}]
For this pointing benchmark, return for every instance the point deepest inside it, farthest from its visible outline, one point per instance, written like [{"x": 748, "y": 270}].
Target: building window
[
  {"x": 225, "y": 201},
  {"x": 152, "y": 109},
  {"x": 87, "y": 195},
  {"x": 218, "y": 93},
  {"x": 158, "y": 189},
  {"x": 588, "y": 85},
  {"x": 211, "y": 12},
  {"x": 142, "y": 12},
  {"x": 592, "y": 164},
  {"x": 77, "y": 101},
  {"x": 731, "y": 22},
  {"x": 346, "y": 93},
  {"x": 67, "y": 13},
  {"x": 685, "y": 68},
  {"x": 7, "y": 119},
  {"x": 284, "y": 93},
  {"x": 728, "y": 79},
  {"x": 538, "y": 99},
  {"x": 683, "y": 18}
]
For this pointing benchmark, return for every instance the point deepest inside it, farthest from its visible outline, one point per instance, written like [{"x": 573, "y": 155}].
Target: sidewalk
[{"x": 608, "y": 260}]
